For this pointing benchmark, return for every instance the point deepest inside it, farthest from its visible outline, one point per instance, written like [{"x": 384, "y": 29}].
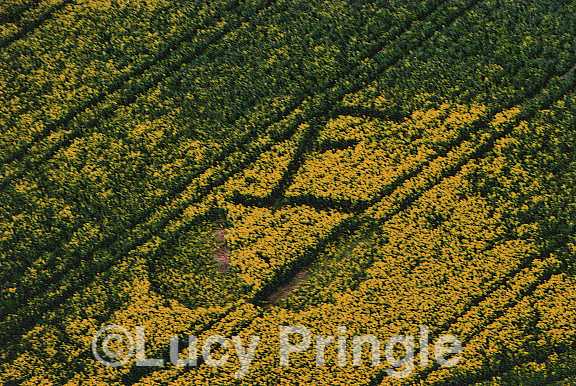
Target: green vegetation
[{"x": 227, "y": 167}]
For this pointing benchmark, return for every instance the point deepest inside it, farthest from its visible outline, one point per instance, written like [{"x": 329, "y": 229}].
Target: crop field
[{"x": 232, "y": 167}]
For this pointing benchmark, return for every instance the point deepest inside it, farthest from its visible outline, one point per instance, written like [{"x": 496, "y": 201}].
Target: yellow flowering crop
[{"x": 183, "y": 182}]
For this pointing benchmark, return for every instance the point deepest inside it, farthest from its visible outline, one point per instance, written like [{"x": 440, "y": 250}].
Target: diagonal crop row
[
  {"x": 525, "y": 117},
  {"x": 32, "y": 165},
  {"x": 471, "y": 150},
  {"x": 186, "y": 178},
  {"x": 153, "y": 231},
  {"x": 36, "y": 104},
  {"x": 461, "y": 161},
  {"x": 553, "y": 366},
  {"x": 154, "y": 219},
  {"x": 525, "y": 293},
  {"x": 189, "y": 178},
  {"x": 356, "y": 272},
  {"x": 29, "y": 27},
  {"x": 516, "y": 275},
  {"x": 516, "y": 285},
  {"x": 153, "y": 70},
  {"x": 11, "y": 13}
]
